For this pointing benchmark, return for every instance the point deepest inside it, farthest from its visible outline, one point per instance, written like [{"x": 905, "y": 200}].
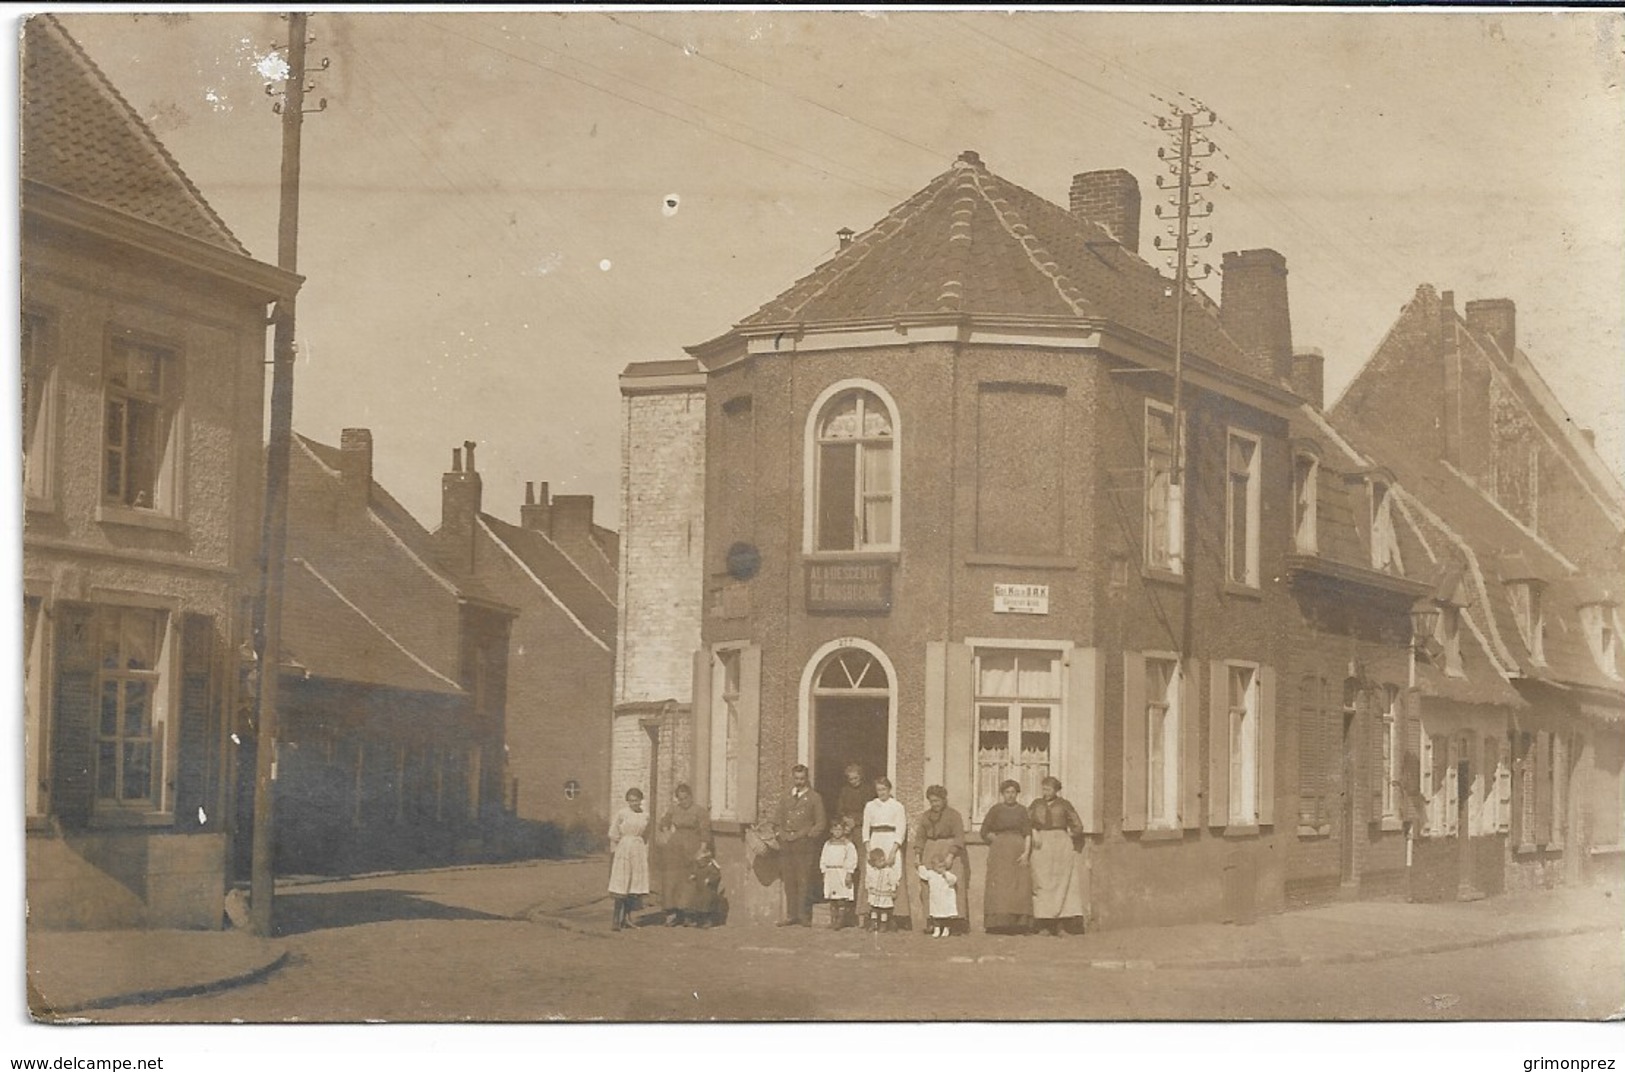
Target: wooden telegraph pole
[{"x": 274, "y": 534}]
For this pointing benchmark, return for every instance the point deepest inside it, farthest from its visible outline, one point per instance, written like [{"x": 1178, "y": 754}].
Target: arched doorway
[{"x": 849, "y": 717}]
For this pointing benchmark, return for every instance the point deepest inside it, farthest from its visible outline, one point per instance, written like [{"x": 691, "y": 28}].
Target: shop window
[
  {"x": 855, "y": 467},
  {"x": 1163, "y": 525},
  {"x": 1018, "y": 700},
  {"x": 139, "y": 449},
  {"x": 1305, "y": 503},
  {"x": 1242, "y": 509},
  {"x": 1384, "y": 538}
]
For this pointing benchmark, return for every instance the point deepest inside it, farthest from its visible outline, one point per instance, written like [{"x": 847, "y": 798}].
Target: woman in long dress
[
  {"x": 885, "y": 827},
  {"x": 1007, "y": 902},
  {"x": 940, "y": 834},
  {"x": 1057, "y": 894},
  {"x": 629, "y": 859},
  {"x": 684, "y": 830}
]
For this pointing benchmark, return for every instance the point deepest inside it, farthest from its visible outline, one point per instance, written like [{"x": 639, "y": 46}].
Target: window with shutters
[
  {"x": 1305, "y": 503},
  {"x": 1018, "y": 702},
  {"x": 38, "y": 389},
  {"x": 1316, "y": 753},
  {"x": 1162, "y": 725},
  {"x": 1392, "y": 754},
  {"x": 1242, "y": 705},
  {"x": 1384, "y": 536},
  {"x": 853, "y": 484},
  {"x": 139, "y": 452},
  {"x": 1242, "y": 505},
  {"x": 1163, "y": 529},
  {"x": 128, "y": 755}
]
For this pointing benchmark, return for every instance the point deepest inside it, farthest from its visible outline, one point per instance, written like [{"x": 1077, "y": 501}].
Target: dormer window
[
  {"x": 1450, "y": 640},
  {"x": 1600, "y": 623},
  {"x": 1526, "y": 612},
  {"x": 1305, "y": 496},
  {"x": 1384, "y": 539}
]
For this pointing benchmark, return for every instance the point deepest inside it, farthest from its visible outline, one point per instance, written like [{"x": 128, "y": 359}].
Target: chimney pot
[
  {"x": 530, "y": 493},
  {"x": 456, "y": 459},
  {"x": 845, "y": 236},
  {"x": 1110, "y": 198},
  {"x": 468, "y": 448},
  {"x": 1254, "y": 310},
  {"x": 1497, "y": 319},
  {"x": 536, "y": 514}
]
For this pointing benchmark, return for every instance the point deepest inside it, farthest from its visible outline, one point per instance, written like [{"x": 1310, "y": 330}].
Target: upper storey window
[
  {"x": 138, "y": 448},
  {"x": 1305, "y": 502},
  {"x": 1242, "y": 509},
  {"x": 1600, "y": 624},
  {"x": 1384, "y": 537},
  {"x": 854, "y": 479}
]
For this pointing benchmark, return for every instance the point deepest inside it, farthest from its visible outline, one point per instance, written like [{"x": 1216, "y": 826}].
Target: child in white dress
[
  {"x": 839, "y": 864},
  {"x": 882, "y": 885},
  {"x": 944, "y": 903}
]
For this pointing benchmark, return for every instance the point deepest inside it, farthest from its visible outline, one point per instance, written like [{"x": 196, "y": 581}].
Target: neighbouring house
[
  {"x": 1521, "y": 703},
  {"x": 143, "y": 342},
  {"x": 394, "y": 679},
  {"x": 918, "y": 512},
  {"x": 558, "y": 569}
]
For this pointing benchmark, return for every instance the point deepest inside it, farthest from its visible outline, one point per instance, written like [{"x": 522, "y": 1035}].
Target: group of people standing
[{"x": 853, "y": 858}]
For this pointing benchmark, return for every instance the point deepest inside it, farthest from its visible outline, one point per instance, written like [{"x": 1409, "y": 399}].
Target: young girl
[
  {"x": 839, "y": 863},
  {"x": 944, "y": 904},
  {"x": 882, "y": 882},
  {"x": 629, "y": 866},
  {"x": 705, "y": 876}
]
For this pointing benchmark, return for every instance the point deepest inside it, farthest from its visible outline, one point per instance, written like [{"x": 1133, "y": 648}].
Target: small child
[
  {"x": 944, "y": 904},
  {"x": 706, "y": 878},
  {"x": 882, "y": 887},
  {"x": 839, "y": 863}
]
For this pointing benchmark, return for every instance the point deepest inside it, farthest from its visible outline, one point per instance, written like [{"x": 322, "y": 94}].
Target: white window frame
[
  {"x": 1061, "y": 651},
  {"x": 1171, "y": 519},
  {"x": 161, "y": 679},
  {"x": 725, "y": 735},
  {"x": 1252, "y": 509},
  {"x": 1171, "y": 708},
  {"x": 165, "y": 401},
  {"x": 812, "y": 471},
  {"x": 1242, "y": 743},
  {"x": 1306, "y": 504},
  {"x": 1393, "y": 754},
  {"x": 1385, "y": 555}
]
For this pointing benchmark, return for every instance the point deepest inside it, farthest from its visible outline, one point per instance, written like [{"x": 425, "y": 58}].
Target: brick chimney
[
  {"x": 1308, "y": 380},
  {"x": 459, "y": 509},
  {"x": 536, "y": 514},
  {"x": 1452, "y": 377},
  {"x": 355, "y": 466},
  {"x": 572, "y": 519},
  {"x": 1253, "y": 309},
  {"x": 1495, "y": 318},
  {"x": 1111, "y": 199}
]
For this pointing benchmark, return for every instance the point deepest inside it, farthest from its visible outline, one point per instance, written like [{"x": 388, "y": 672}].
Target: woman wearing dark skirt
[
  {"x": 684, "y": 830},
  {"x": 941, "y": 835},
  {"x": 1007, "y": 902},
  {"x": 1057, "y": 833}
]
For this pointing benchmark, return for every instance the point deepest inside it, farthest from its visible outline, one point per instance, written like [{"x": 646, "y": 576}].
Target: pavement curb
[{"x": 150, "y": 997}]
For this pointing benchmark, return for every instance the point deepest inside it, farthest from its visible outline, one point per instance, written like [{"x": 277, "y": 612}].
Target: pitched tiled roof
[
  {"x": 545, "y": 561},
  {"x": 81, "y": 137},
  {"x": 972, "y": 242}
]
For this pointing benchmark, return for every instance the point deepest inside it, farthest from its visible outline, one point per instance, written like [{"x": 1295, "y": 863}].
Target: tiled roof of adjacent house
[
  {"x": 973, "y": 242},
  {"x": 80, "y": 136},
  {"x": 583, "y": 597}
]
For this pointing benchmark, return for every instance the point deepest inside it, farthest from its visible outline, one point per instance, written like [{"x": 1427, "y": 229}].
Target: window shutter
[
  {"x": 1410, "y": 778},
  {"x": 1266, "y": 745},
  {"x": 193, "y": 783},
  {"x": 1135, "y": 756},
  {"x": 1311, "y": 778},
  {"x": 1543, "y": 788},
  {"x": 1452, "y": 773},
  {"x": 1503, "y": 786},
  {"x": 750, "y": 705},
  {"x": 1218, "y": 745},
  {"x": 936, "y": 714},
  {"x": 1085, "y": 734},
  {"x": 1190, "y": 743},
  {"x": 700, "y": 708},
  {"x": 72, "y": 778},
  {"x": 959, "y": 726},
  {"x": 1560, "y": 788},
  {"x": 1374, "y": 725}
]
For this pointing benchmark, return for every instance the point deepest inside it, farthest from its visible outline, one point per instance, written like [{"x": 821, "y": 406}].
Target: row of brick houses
[
  {"x": 916, "y": 512},
  {"x": 445, "y": 694}
]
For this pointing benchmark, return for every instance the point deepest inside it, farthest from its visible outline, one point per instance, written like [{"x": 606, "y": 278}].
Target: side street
[{"x": 532, "y": 941}]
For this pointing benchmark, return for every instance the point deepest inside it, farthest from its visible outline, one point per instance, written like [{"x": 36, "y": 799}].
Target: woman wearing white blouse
[{"x": 885, "y": 827}]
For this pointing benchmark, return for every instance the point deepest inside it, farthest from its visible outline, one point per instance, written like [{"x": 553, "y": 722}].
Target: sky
[{"x": 487, "y": 242}]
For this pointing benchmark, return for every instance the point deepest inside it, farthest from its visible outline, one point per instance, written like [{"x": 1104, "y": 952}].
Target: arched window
[{"x": 854, "y": 473}]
